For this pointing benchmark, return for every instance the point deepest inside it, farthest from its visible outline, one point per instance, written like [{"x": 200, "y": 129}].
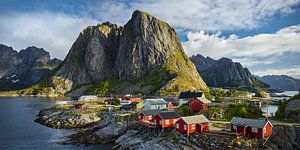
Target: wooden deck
[{"x": 147, "y": 123}]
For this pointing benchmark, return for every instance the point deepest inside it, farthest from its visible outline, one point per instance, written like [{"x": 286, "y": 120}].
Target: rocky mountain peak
[{"x": 145, "y": 49}]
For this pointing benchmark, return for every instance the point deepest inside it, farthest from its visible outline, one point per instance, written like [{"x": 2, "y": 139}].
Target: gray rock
[
  {"x": 136, "y": 140},
  {"x": 284, "y": 137},
  {"x": 65, "y": 118},
  {"x": 292, "y": 109}
]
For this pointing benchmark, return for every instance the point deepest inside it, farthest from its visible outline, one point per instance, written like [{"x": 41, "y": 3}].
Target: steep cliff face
[
  {"x": 225, "y": 73},
  {"x": 25, "y": 68},
  {"x": 9, "y": 60},
  {"x": 143, "y": 56}
]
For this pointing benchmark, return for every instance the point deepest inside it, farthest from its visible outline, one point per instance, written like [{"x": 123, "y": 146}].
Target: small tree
[
  {"x": 115, "y": 100},
  {"x": 184, "y": 110}
]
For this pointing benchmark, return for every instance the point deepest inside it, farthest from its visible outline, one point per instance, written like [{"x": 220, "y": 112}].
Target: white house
[
  {"x": 87, "y": 98},
  {"x": 158, "y": 103}
]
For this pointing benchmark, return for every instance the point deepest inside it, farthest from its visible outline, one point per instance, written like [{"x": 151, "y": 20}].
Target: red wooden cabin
[
  {"x": 191, "y": 124},
  {"x": 166, "y": 119},
  {"x": 147, "y": 115},
  {"x": 198, "y": 104},
  {"x": 251, "y": 127}
]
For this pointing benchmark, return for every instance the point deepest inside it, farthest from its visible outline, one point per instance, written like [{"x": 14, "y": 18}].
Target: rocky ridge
[
  {"x": 224, "y": 73},
  {"x": 25, "y": 68},
  {"x": 282, "y": 82}
]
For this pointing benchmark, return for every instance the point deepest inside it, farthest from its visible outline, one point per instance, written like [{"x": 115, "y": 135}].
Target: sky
[{"x": 263, "y": 35}]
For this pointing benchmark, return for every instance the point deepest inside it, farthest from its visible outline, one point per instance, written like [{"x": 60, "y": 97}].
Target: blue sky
[{"x": 263, "y": 35}]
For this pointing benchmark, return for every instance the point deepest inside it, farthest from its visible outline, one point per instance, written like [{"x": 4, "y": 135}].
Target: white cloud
[
  {"x": 248, "y": 49},
  {"x": 198, "y": 14},
  {"x": 53, "y": 31},
  {"x": 57, "y": 31},
  {"x": 293, "y": 71}
]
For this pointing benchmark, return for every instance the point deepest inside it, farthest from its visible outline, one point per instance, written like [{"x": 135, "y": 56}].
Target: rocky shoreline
[
  {"x": 105, "y": 127},
  {"x": 66, "y": 118}
]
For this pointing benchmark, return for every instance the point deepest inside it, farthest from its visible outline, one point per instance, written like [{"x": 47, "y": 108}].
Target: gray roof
[
  {"x": 150, "y": 112},
  {"x": 168, "y": 114},
  {"x": 194, "y": 119},
  {"x": 158, "y": 101},
  {"x": 259, "y": 123}
]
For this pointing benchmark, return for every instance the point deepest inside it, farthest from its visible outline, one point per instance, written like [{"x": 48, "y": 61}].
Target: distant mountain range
[
  {"x": 22, "y": 69},
  {"x": 225, "y": 73},
  {"x": 282, "y": 82}
]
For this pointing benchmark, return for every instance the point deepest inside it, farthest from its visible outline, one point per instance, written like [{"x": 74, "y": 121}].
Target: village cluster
[{"x": 160, "y": 113}]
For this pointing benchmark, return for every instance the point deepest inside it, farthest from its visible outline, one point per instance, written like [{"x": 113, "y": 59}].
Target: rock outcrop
[
  {"x": 66, "y": 118},
  {"x": 282, "y": 82},
  {"x": 292, "y": 109},
  {"x": 225, "y": 73},
  {"x": 284, "y": 137},
  {"x": 22, "y": 69},
  {"x": 144, "y": 56}
]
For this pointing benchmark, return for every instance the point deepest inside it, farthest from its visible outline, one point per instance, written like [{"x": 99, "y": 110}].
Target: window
[
  {"x": 160, "y": 122},
  {"x": 177, "y": 125},
  {"x": 265, "y": 131},
  {"x": 167, "y": 121},
  {"x": 193, "y": 126},
  {"x": 174, "y": 121},
  {"x": 184, "y": 127},
  {"x": 150, "y": 117},
  {"x": 234, "y": 127},
  {"x": 254, "y": 129}
]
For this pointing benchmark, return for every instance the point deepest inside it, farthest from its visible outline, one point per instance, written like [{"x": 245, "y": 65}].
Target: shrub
[{"x": 184, "y": 110}]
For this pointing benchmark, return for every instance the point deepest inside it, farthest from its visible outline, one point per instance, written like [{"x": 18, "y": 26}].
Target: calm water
[
  {"x": 270, "y": 110},
  {"x": 19, "y": 131},
  {"x": 289, "y": 93}
]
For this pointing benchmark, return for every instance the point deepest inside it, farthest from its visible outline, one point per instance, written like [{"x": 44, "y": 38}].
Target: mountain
[
  {"x": 282, "y": 82},
  {"x": 22, "y": 69},
  {"x": 143, "y": 56},
  {"x": 224, "y": 73}
]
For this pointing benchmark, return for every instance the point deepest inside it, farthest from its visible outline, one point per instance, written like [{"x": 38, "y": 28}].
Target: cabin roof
[
  {"x": 259, "y": 123},
  {"x": 189, "y": 94},
  {"x": 150, "y": 112},
  {"x": 194, "y": 119},
  {"x": 203, "y": 100},
  {"x": 158, "y": 101},
  {"x": 168, "y": 115}
]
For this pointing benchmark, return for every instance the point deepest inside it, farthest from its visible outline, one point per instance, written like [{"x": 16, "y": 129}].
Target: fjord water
[{"x": 19, "y": 131}]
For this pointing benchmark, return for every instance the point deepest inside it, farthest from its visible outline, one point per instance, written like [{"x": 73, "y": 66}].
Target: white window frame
[
  {"x": 193, "y": 126},
  {"x": 184, "y": 127},
  {"x": 177, "y": 125},
  {"x": 160, "y": 122},
  {"x": 254, "y": 129},
  {"x": 264, "y": 130},
  {"x": 167, "y": 121},
  {"x": 234, "y": 127}
]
